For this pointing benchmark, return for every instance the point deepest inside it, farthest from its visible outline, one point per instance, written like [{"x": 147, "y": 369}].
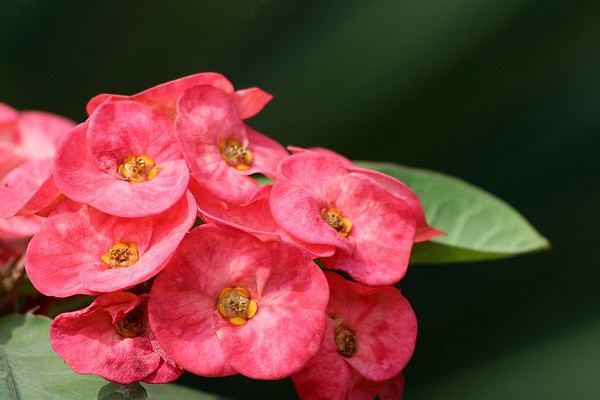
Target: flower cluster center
[
  {"x": 121, "y": 255},
  {"x": 345, "y": 341},
  {"x": 131, "y": 325},
  {"x": 138, "y": 169},
  {"x": 236, "y": 155},
  {"x": 235, "y": 305},
  {"x": 336, "y": 220}
]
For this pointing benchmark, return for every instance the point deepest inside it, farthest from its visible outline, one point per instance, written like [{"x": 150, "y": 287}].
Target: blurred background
[{"x": 502, "y": 93}]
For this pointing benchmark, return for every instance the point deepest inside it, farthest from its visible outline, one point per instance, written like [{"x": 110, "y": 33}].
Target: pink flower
[
  {"x": 219, "y": 148},
  {"x": 393, "y": 185},
  {"x": 368, "y": 230},
  {"x": 27, "y": 143},
  {"x": 113, "y": 339},
  {"x": 370, "y": 337},
  {"x": 228, "y": 303},
  {"x": 124, "y": 161},
  {"x": 164, "y": 97},
  {"x": 80, "y": 250}
]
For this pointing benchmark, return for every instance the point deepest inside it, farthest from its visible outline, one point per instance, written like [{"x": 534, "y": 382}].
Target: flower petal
[
  {"x": 384, "y": 322},
  {"x": 250, "y": 101}
]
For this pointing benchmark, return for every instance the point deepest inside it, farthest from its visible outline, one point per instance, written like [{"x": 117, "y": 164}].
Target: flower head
[
  {"x": 228, "y": 303},
  {"x": 220, "y": 149},
  {"x": 392, "y": 185},
  {"x": 80, "y": 250},
  {"x": 113, "y": 339},
  {"x": 124, "y": 161},
  {"x": 370, "y": 337},
  {"x": 368, "y": 231}
]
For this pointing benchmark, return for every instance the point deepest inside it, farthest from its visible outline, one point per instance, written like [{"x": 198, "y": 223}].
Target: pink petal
[
  {"x": 27, "y": 189},
  {"x": 206, "y": 117},
  {"x": 87, "y": 341},
  {"x": 40, "y": 132},
  {"x": 182, "y": 306},
  {"x": 97, "y": 100},
  {"x": 183, "y": 311},
  {"x": 250, "y": 101},
  {"x": 404, "y": 193},
  {"x": 65, "y": 257},
  {"x": 384, "y": 322},
  {"x": 393, "y": 389},
  {"x": 168, "y": 229},
  {"x": 125, "y": 128},
  {"x": 80, "y": 179},
  {"x": 298, "y": 212},
  {"x": 8, "y": 115},
  {"x": 253, "y": 217},
  {"x": 329, "y": 377},
  {"x": 332, "y": 154},
  {"x": 164, "y": 373},
  {"x": 383, "y": 231},
  {"x": 288, "y": 328},
  {"x": 163, "y": 97},
  {"x": 396, "y": 187},
  {"x": 74, "y": 238},
  {"x": 266, "y": 153},
  {"x": 313, "y": 172},
  {"x": 19, "y": 227}
]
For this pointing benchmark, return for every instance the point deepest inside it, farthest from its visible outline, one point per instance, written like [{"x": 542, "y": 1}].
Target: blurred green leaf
[
  {"x": 478, "y": 226},
  {"x": 171, "y": 391},
  {"x": 112, "y": 391},
  {"x": 262, "y": 180},
  {"x": 29, "y": 368}
]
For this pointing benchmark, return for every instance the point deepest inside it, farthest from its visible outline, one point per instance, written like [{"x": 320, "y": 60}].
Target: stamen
[
  {"x": 131, "y": 325},
  {"x": 235, "y": 155},
  {"x": 345, "y": 341},
  {"x": 336, "y": 220},
  {"x": 138, "y": 169},
  {"x": 235, "y": 305},
  {"x": 121, "y": 255}
]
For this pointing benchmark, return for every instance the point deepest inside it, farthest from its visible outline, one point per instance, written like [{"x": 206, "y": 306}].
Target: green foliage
[
  {"x": 171, "y": 391},
  {"x": 478, "y": 225},
  {"x": 113, "y": 391},
  {"x": 30, "y": 370}
]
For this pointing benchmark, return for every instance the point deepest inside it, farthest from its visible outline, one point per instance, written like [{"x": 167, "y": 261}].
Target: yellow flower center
[
  {"x": 336, "y": 220},
  {"x": 138, "y": 169},
  {"x": 235, "y": 155},
  {"x": 131, "y": 325},
  {"x": 235, "y": 305},
  {"x": 121, "y": 255},
  {"x": 345, "y": 339}
]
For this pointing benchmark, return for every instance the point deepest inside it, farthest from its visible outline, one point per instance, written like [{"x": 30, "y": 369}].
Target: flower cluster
[{"x": 154, "y": 206}]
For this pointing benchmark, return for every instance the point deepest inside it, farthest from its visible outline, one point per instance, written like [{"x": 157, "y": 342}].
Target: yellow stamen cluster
[
  {"x": 235, "y": 305},
  {"x": 138, "y": 169},
  {"x": 236, "y": 155},
  {"x": 121, "y": 255},
  {"x": 131, "y": 325},
  {"x": 345, "y": 341},
  {"x": 336, "y": 220}
]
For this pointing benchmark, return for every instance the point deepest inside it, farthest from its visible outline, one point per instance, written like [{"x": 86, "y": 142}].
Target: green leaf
[
  {"x": 113, "y": 391},
  {"x": 29, "y": 368},
  {"x": 478, "y": 225},
  {"x": 262, "y": 180},
  {"x": 171, "y": 391}
]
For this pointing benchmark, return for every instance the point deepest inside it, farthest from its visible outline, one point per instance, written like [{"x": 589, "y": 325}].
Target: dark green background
[{"x": 503, "y": 93}]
